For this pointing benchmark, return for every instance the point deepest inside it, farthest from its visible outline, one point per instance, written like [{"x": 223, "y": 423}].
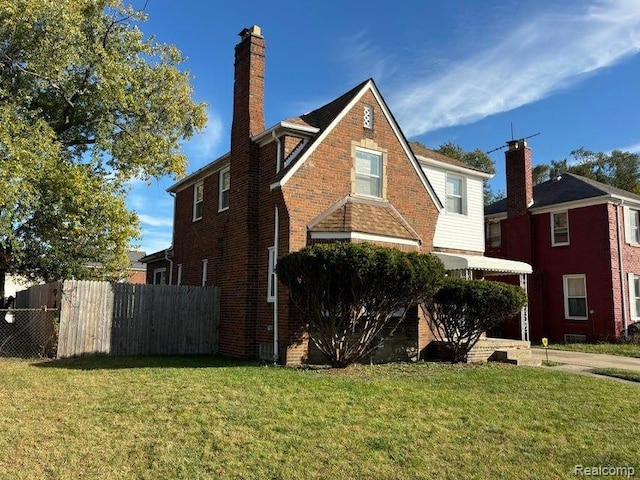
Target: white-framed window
[
  {"x": 367, "y": 117},
  {"x": 179, "y": 279},
  {"x": 632, "y": 225},
  {"x": 559, "y": 228},
  {"x": 198, "y": 197},
  {"x": 455, "y": 194},
  {"x": 225, "y": 184},
  {"x": 634, "y": 296},
  {"x": 494, "y": 234},
  {"x": 575, "y": 297},
  {"x": 368, "y": 172},
  {"x": 204, "y": 272},
  {"x": 272, "y": 279},
  {"x": 160, "y": 276}
]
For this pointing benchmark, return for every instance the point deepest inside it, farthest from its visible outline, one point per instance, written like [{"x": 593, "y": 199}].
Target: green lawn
[
  {"x": 205, "y": 417},
  {"x": 630, "y": 375},
  {"x": 622, "y": 349}
]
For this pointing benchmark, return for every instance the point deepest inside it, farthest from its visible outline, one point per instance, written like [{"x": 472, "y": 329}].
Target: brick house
[
  {"x": 343, "y": 172},
  {"x": 582, "y": 238}
]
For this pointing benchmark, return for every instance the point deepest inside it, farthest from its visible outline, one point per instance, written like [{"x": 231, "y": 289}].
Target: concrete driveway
[{"x": 578, "y": 362}]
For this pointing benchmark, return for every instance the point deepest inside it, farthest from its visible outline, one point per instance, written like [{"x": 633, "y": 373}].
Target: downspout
[
  {"x": 279, "y": 154},
  {"x": 166, "y": 257},
  {"x": 622, "y": 288},
  {"x": 275, "y": 290}
]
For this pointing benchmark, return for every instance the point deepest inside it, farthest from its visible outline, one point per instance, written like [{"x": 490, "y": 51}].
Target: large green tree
[
  {"x": 477, "y": 159},
  {"x": 619, "y": 168},
  {"x": 87, "y": 103}
]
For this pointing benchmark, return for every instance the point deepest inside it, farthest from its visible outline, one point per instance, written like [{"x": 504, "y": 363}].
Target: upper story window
[
  {"x": 494, "y": 234},
  {"x": 632, "y": 224},
  {"x": 575, "y": 297},
  {"x": 198, "y": 197},
  {"x": 559, "y": 228},
  {"x": 225, "y": 184},
  {"x": 369, "y": 173},
  {"x": 367, "y": 117},
  {"x": 455, "y": 194}
]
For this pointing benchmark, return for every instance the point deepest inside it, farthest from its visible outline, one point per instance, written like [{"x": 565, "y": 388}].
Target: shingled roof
[
  {"x": 568, "y": 187},
  {"x": 422, "y": 151},
  {"x": 352, "y": 214}
]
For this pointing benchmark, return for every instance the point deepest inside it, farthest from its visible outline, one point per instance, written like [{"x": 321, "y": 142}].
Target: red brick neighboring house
[
  {"x": 583, "y": 240},
  {"x": 343, "y": 172}
]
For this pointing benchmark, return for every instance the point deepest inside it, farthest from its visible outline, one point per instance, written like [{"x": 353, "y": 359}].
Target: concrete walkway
[{"x": 583, "y": 363}]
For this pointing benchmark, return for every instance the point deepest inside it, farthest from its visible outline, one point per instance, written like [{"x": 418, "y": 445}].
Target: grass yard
[
  {"x": 206, "y": 417},
  {"x": 622, "y": 349},
  {"x": 630, "y": 375}
]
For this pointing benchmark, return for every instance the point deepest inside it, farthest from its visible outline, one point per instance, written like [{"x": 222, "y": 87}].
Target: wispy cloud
[
  {"x": 207, "y": 146},
  {"x": 366, "y": 59},
  {"x": 632, "y": 148},
  {"x": 540, "y": 55},
  {"x": 155, "y": 221}
]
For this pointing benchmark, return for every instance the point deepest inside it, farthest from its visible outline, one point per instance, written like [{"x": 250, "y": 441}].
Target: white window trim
[
  {"x": 565, "y": 288},
  {"x": 553, "y": 236},
  {"x": 635, "y": 314},
  {"x": 271, "y": 276},
  {"x": 628, "y": 235},
  {"x": 195, "y": 200},
  {"x": 220, "y": 191},
  {"x": 163, "y": 271},
  {"x": 463, "y": 193},
  {"x": 205, "y": 263},
  {"x": 380, "y": 177}
]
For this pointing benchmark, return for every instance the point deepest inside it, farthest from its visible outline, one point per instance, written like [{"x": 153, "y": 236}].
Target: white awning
[{"x": 457, "y": 261}]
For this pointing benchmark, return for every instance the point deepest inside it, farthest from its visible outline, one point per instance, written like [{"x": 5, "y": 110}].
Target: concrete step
[{"x": 519, "y": 356}]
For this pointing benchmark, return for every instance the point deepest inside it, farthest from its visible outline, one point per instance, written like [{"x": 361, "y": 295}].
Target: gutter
[
  {"x": 625, "y": 320},
  {"x": 275, "y": 290}
]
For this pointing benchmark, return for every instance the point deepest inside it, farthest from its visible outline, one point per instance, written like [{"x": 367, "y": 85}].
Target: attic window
[{"x": 367, "y": 117}]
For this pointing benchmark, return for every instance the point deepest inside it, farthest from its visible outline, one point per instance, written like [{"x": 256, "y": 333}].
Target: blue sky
[{"x": 461, "y": 71}]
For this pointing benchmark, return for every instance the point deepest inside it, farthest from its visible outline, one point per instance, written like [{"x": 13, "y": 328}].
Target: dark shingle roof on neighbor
[{"x": 566, "y": 188}]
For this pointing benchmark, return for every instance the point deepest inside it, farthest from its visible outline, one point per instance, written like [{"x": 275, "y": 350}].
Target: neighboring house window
[
  {"x": 179, "y": 279},
  {"x": 198, "y": 197},
  {"x": 204, "y": 272},
  {"x": 367, "y": 117},
  {"x": 575, "y": 297},
  {"x": 159, "y": 276},
  {"x": 368, "y": 173},
  {"x": 494, "y": 234},
  {"x": 225, "y": 183},
  {"x": 455, "y": 194},
  {"x": 634, "y": 296},
  {"x": 271, "y": 281},
  {"x": 633, "y": 225},
  {"x": 559, "y": 229}
]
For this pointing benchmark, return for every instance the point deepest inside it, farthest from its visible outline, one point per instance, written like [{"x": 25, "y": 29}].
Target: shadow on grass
[{"x": 104, "y": 362}]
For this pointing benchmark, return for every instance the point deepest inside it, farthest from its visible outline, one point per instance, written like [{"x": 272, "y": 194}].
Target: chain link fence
[{"x": 29, "y": 333}]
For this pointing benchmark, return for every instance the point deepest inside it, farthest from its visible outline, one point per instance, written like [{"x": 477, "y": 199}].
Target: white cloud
[
  {"x": 155, "y": 221},
  {"x": 365, "y": 59},
  {"x": 206, "y": 146},
  {"x": 540, "y": 55},
  {"x": 632, "y": 148}
]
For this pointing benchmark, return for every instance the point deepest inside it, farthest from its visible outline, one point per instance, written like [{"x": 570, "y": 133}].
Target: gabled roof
[
  {"x": 421, "y": 151},
  {"x": 328, "y": 116},
  {"x": 569, "y": 187},
  {"x": 353, "y": 214}
]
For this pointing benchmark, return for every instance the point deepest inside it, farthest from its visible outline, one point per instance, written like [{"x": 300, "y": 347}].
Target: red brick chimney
[
  {"x": 519, "y": 178},
  {"x": 248, "y": 89}
]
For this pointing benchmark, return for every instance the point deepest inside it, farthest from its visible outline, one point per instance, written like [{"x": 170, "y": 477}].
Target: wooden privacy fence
[{"x": 126, "y": 319}]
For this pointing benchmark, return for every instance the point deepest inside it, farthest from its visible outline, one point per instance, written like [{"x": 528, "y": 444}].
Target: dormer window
[
  {"x": 455, "y": 194},
  {"x": 367, "y": 117}
]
